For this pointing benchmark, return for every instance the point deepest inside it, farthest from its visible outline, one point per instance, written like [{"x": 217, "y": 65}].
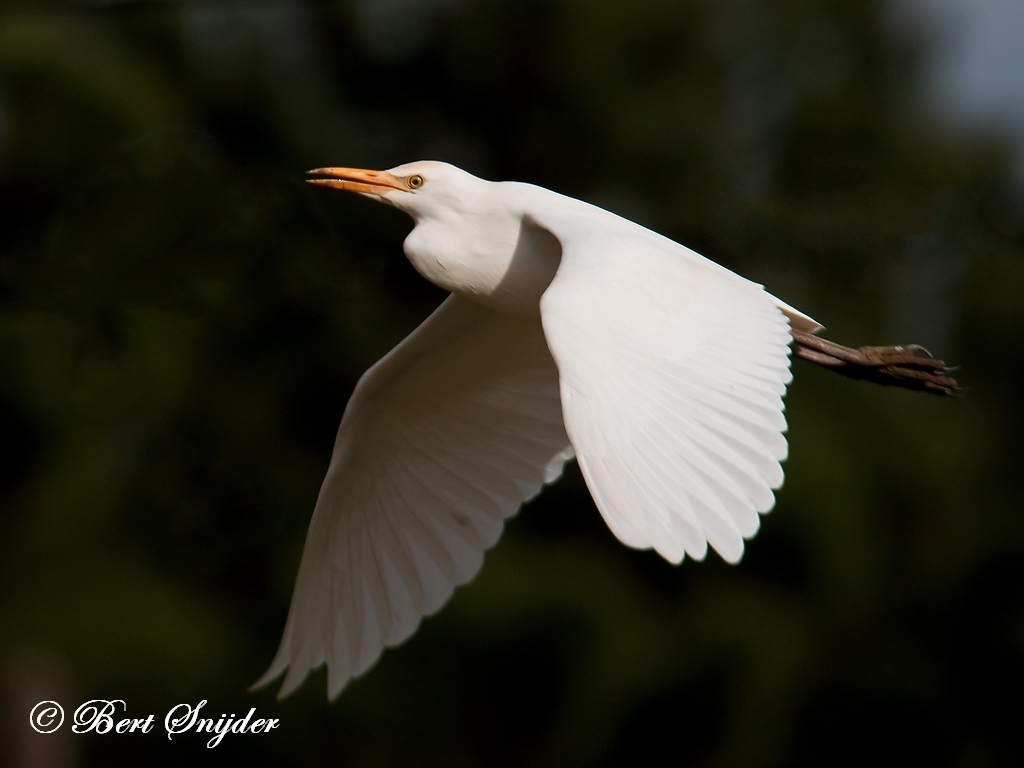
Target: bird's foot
[{"x": 909, "y": 366}]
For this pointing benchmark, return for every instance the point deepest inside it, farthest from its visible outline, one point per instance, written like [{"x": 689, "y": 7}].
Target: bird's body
[
  {"x": 569, "y": 331},
  {"x": 486, "y": 240}
]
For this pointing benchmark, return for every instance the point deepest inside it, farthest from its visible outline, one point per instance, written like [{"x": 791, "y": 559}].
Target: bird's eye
[{"x": 415, "y": 181}]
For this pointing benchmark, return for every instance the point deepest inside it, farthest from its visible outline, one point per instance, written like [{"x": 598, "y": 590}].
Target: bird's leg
[{"x": 908, "y": 366}]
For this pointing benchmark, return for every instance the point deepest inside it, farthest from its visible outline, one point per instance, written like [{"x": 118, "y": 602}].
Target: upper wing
[
  {"x": 442, "y": 440},
  {"x": 672, "y": 373}
]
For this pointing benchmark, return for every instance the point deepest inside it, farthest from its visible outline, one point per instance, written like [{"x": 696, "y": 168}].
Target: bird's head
[{"x": 421, "y": 189}]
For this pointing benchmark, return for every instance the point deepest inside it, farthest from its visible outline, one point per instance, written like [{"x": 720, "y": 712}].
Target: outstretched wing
[
  {"x": 672, "y": 373},
  {"x": 442, "y": 440}
]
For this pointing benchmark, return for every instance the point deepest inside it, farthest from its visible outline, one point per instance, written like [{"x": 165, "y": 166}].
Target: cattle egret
[{"x": 569, "y": 331}]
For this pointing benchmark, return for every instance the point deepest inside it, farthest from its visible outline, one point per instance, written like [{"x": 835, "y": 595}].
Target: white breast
[{"x": 499, "y": 261}]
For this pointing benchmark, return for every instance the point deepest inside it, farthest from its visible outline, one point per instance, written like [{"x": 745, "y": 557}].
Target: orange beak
[{"x": 357, "y": 180}]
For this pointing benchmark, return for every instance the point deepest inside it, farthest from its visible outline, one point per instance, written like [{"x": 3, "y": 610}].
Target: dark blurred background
[{"x": 182, "y": 321}]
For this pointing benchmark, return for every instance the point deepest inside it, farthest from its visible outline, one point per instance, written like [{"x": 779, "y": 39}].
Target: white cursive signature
[
  {"x": 100, "y": 716},
  {"x": 190, "y": 719}
]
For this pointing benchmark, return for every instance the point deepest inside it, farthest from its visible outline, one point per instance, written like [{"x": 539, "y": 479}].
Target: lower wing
[{"x": 442, "y": 440}]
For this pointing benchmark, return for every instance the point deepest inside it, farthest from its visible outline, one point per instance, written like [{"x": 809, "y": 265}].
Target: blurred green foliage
[{"x": 182, "y": 320}]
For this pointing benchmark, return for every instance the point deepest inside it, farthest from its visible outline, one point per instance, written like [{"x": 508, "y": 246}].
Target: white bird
[{"x": 569, "y": 331}]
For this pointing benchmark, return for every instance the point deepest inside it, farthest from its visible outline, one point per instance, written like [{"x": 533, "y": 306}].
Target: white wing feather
[
  {"x": 442, "y": 440},
  {"x": 672, "y": 371}
]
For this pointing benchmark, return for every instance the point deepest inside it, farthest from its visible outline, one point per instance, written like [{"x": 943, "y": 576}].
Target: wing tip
[
  {"x": 281, "y": 664},
  {"x": 267, "y": 678}
]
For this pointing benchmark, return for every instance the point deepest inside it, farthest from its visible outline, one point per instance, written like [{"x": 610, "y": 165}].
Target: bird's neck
[{"x": 493, "y": 257}]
